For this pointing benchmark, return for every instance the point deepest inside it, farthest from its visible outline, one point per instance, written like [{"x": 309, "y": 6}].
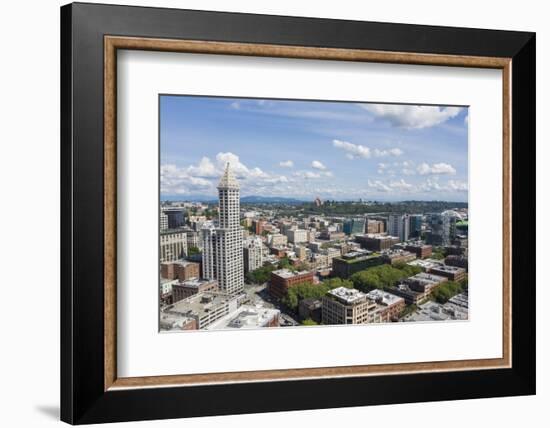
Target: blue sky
[{"x": 305, "y": 149}]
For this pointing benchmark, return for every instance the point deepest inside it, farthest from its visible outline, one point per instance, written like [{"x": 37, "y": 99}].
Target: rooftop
[
  {"x": 383, "y": 297},
  {"x": 347, "y": 295},
  {"x": 199, "y": 304},
  {"x": 287, "y": 273},
  {"x": 195, "y": 282},
  {"x": 246, "y": 317},
  {"x": 448, "y": 268}
]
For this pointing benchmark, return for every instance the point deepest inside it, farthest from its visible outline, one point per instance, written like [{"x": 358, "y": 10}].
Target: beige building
[
  {"x": 348, "y": 306},
  {"x": 173, "y": 245}
]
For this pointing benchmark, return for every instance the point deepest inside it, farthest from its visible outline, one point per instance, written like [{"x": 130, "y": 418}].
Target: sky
[{"x": 308, "y": 149}]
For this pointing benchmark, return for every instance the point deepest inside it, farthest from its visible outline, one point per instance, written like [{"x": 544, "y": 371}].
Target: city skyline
[{"x": 309, "y": 149}]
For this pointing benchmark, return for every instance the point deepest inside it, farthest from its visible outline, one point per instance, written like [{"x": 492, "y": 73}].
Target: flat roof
[
  {"x": 245, "y": 317},
  {"x": 287, "y": 273},
  {"x": 348, "y": 295},
  {"x": 383, "y": 297},
  {"x": 199, "y": 304}
]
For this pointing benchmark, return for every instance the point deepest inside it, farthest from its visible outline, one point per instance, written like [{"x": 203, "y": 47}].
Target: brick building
[{"x": 283, "y": 279}]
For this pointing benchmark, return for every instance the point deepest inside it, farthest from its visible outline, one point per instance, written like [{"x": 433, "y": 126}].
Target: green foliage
[
  {"x": 337, "y": 282},
  {"x": 193, "y": 251},
  {"x": 284, "y": 263},
  {"x": 445, "y": 291},
  {"x": 309, "y": 321},
  {"x": 438, "y": 253},
  {"x": 260, "y": 275},
  {"x": 354, "y": 208},
  {"x": 307, "y": 290},
  {"x": 409, "y": 309},
  {"x": 382, "y": 276}
]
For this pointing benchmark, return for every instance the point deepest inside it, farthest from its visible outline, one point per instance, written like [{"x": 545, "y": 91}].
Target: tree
[
  {"x": 193, "y": 251},
  {"x": 445, "y": 291},
  {"x": 309, "y": 321},
  {"x": 260, "y": 275},
  {"x": 337, "y": 282},
  {"x": 383, "y": 276}
]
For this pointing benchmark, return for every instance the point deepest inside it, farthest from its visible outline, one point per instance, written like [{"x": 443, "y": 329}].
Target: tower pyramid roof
[{"x": 228, "y": 180}]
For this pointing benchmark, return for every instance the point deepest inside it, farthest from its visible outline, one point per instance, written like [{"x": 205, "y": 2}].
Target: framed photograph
[{"x": 276, "y": 213}]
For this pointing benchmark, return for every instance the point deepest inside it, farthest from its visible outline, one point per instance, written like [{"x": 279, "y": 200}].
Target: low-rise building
[
  {"x": 348, "y": 306},
  {"x": 177, "y": 322},
  {"x": 453, "y": 273},
  {"x": 277, "y": 240},
  {"x": 297, "y": 236},
  {"x": 393, "y": 257},
  {"x": 184, "y": 289},
  {"x": 179, "y": 269},
  {"x": 283, "y": 279},
  {"x": 425, "y": 264},
  {"x": 248, "y": 317},
  {"x": 389, "y": 304},
  {"x": 205, "y": 308},
  {"x": 350, "y": 263},
  {"x": 310, "y": 308},
  {"x": 420, "y": 249},
  {"x": 458, "y": 261},
  {"x": 376, "y": 242},
  {"x": 424, "y": 282},
  {"x": 166, "y": 289}
]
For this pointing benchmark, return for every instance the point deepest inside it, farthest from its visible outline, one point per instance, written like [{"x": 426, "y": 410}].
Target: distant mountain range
[
  {"x": 244, "y": 199},
  {"x": 269, "y": 200}
]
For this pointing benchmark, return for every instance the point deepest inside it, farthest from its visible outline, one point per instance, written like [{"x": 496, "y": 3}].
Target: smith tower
[{"x": 223, "y": 245}]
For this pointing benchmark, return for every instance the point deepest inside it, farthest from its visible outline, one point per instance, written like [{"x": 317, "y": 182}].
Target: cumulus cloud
[
  {"x": 318, "y": 165},
  {"x": 203, "y": 176},
  {"x": 378, "y": 185},
  {"x": 391, "y": 152},
  {"x": 436, "y": 168},
  {"x": 312, "y": 174},
  {"x": 401, "y": 185},
  {"x": 286, "y": 164},
  {"x": 354, "y": 151},
  {"x": 412, "y": 116}
]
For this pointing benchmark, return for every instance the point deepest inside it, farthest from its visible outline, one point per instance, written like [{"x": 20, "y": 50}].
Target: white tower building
[
  {"x": 398, "y": 225},
  {"x": 223, "y": 245}
]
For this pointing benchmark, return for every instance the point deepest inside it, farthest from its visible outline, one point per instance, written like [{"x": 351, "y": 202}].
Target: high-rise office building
[
  {"x": 176, "y": 217},
  {"x": 223, "y": 245},
  {"x": 398, "y": 225},
  {"x": 354, "y": 226},
  {"x": 415, "y": 226},
  {"x": 442, "y": 228}
]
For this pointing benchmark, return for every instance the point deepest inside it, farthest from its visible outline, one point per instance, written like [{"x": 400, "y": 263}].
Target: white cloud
[
  {"x": 436, "y": 168},
  {"x": 286, "y": 164},
  {"x": 401, "y": 185},
  {"x": 412, "y": 116},
  {"x": 353, "y": 150},
  {"x": 318, "y": 165},
  {"x": 391, "y": 152},
  {"x": 379, "y": 186},
  {"x": 312, "y": 174}
]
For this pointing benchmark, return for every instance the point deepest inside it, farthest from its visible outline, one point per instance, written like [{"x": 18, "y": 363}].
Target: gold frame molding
[{"x": 113, "y": 43}]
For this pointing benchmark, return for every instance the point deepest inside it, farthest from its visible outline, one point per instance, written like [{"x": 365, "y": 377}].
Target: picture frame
[{"x": 91, "y": 391}]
